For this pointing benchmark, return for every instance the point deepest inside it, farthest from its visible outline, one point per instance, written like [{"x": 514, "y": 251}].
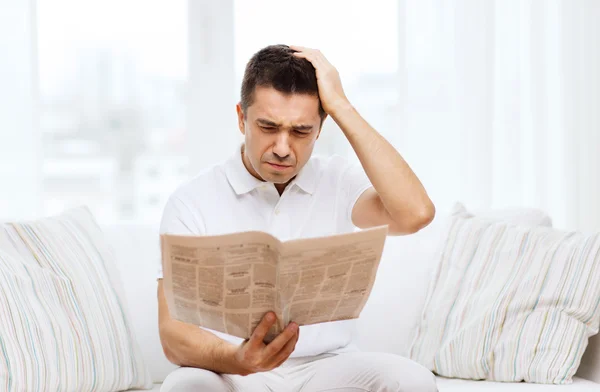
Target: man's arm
[
  {"x": 191, "y": 346},
  {"x": 187, "y": 345},
  {"x": 398, "y": 198}
]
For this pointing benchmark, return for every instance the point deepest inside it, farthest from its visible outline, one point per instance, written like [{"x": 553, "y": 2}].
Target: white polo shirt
[{"x": 226, "y": 198}]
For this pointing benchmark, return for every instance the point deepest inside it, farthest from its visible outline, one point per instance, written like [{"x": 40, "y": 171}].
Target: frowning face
[{"x": 280, "y": 131}]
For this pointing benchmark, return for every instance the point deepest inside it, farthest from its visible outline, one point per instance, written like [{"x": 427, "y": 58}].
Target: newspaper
[{"x": 228, "y": 282}]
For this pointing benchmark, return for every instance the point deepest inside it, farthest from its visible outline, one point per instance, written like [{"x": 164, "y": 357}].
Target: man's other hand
[{"x": 254, "y": 355}]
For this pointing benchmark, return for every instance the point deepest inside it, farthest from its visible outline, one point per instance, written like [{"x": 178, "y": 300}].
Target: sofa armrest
[{"x": 590, "y": 363}]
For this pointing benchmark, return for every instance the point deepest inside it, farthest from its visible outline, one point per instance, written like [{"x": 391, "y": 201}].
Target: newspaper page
[
  {"x": 228, "y": 282},
  {"x": 328, "y": 279},
  {"x": 225, "y": 283}
]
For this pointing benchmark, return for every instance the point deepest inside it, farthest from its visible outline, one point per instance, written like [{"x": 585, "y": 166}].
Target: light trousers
[{"x": 348, "y": 372}]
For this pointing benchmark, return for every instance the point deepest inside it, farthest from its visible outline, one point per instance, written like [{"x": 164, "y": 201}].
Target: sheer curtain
[
  {"x": 20, "y": 143},
  {"x": 499, "y": 104},
  {"x": 493, "y": 103}
]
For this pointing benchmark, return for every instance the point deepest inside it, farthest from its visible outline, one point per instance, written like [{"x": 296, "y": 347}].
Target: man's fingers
[
  {"x": 322, "y": 59},
  {"x": 317, "y": 59},
  {"x": 300, "y": 48},
  {"x": 310, "y": 57},
  {"x": 314, "y": 53},
  {"x": 307, "y": 53},
  {"x": 304, "y": 55},
  {"x": 280, "y": 341},
  {"x": 287, "y": 350},
  {"x": 262, "y": 329}
]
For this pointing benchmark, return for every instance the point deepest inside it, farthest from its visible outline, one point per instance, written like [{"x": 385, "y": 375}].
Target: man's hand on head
[
  {"x": 254, "y": 355},
  {"x": 402, "y": 204},
  {"x": 331, "y": 91}
]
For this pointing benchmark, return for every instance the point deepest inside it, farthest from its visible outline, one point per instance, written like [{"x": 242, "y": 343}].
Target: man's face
[{"x": 280, "y": 131}]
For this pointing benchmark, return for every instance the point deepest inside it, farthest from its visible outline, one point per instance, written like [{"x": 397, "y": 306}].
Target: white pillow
[
  {"x": 404, "y": 276},
  {"x": 63, "y": 326},
  {"x": 510, "y": 303}
]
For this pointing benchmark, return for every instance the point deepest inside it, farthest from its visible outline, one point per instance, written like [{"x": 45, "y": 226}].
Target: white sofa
[{"x": 386, "y": 324}]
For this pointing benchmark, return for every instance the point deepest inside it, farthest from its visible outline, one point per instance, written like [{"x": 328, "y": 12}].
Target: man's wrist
[
  {"x": 228, "y": 354},
  {"x": 348, "y": 119},
  {"x": 340, "y": 108}
]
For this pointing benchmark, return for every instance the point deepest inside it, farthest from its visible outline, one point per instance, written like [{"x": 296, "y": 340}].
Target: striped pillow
[
  {"x": 510, "y": 303},
  {"x": 62, "y": 324}
]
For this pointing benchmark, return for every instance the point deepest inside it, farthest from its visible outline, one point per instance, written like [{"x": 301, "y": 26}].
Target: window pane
[{"x": 113, "y": 78}]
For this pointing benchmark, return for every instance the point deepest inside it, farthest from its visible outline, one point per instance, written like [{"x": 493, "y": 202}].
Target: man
[{"x": 271, "y": 183}]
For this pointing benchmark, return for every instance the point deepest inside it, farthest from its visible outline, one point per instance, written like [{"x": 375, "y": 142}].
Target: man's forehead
[{"x": 278, "y": 107}]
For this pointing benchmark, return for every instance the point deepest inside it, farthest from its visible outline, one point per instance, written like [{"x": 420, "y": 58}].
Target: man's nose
[{"x": 282, "y": 145}]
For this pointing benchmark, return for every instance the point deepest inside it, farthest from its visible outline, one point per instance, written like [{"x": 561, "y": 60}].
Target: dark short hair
[{"x": 276, "y": 66}]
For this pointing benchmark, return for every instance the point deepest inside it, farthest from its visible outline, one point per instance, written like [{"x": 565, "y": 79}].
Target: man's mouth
[{"x": 278, "y": 166}]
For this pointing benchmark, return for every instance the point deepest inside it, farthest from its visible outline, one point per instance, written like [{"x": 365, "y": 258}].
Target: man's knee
[
  {"x": 193, "y": 380},
  {"x": 384, "y": 372},
  {"x": 400, "y": 374}
]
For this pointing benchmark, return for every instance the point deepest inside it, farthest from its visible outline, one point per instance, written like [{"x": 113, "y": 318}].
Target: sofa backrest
[
  {"x": 386, "y": 324},
  {"x": 138, "y": 253},
  {"x": 590, "y": 363}
]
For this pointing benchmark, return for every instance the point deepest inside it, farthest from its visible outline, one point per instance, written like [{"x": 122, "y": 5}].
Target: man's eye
[
  {"x": 302, "y": 133},
  {"x": 267, "y": 128}
]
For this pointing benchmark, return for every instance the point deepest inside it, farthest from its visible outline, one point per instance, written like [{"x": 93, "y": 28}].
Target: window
[{"x": 113, "y": 79}]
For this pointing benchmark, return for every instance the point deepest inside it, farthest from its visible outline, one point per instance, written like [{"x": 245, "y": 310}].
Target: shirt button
[{"x": 277, "y": 211}]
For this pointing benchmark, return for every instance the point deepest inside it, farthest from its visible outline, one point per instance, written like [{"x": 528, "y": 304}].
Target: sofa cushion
[
  {"x": 64, "y": 326},
  {"x": 456, "y": 385},
  {"x": 510, "y": 303}
]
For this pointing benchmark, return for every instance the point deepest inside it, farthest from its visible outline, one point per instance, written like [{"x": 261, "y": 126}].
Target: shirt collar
[
  {"x": 243, "y": 182},
  {"x": 307, "y": 178},
  {"x": 238, "y": 176}
]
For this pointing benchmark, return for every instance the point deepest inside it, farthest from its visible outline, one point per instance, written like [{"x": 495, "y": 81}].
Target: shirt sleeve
[
  {"x": 179, "y": 218},
  {"x": 354, "y": 183}
]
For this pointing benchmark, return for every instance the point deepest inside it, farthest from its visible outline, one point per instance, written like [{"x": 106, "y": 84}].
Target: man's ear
[{"x": 241, "y": 118}]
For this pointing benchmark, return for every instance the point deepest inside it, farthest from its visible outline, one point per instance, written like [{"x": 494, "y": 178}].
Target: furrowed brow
[
  {"x": 302, "y": 127},
  {"x": 268, "y": 123}
]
